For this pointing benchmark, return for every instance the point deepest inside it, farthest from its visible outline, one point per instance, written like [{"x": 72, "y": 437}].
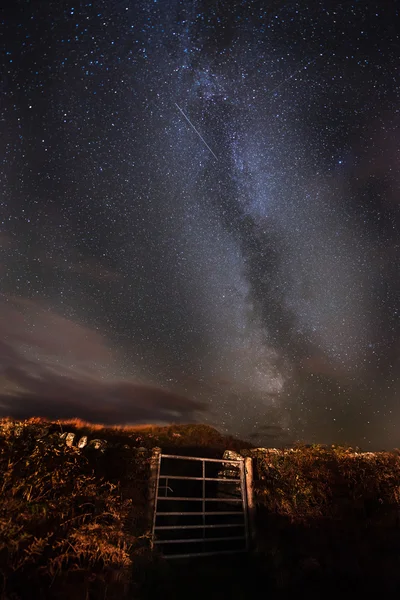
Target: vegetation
[
  {"x": 329, "y": 516},
  {"x": 63, "y": 525},
  {"x": 327, "y": 482},
  {"x": 73, "y": 521},
  {"x": 74, "y": 515},
  {"x": 191, "y": 436}
]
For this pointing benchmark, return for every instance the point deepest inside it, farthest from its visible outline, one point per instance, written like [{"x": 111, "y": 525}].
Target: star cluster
[{"x": 213, "y": 188}]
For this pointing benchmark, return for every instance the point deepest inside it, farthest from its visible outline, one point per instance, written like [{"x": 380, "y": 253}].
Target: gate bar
[
  {"x": 218, "y": 512},
  {"x": 201, "y": 540},
  {"x": 203, "y": 472},
  {"x": 233, "y": 467},
  {"x": 172, "y": 527},
  {"x": 218, "y": 460},
  {"x": 155, "y": 466},
  {"x": 244, "y": 496},
  {"x": 199, "y": 478},
  {"x": 181, "y": 499},
  {"x": 199, "y": 554}
]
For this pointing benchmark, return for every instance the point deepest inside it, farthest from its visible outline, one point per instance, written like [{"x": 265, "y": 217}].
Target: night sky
[{"x": 200, "y": 215}]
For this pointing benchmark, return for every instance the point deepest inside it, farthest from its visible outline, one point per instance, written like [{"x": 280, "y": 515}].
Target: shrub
[
  {"x": 327, "y": 482},
  {"x": 61, "y": 527}
]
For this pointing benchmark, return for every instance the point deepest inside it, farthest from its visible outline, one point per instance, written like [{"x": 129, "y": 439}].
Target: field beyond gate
[{"x": 200, "y": 506}]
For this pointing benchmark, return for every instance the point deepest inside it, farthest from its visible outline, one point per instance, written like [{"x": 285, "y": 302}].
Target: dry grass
[
  {"x": 329, "y": 517},
  {"x": 74, "y": 522},
  {"x": 65, "y": 528},
  {"x": 327, "y": 482},
  {"x": 80, "y": 424},
  {"x": 191, "y": 436}
]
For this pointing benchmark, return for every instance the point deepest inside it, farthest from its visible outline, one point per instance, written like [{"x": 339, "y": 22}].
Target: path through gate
[{"x": 200, "y": 507}]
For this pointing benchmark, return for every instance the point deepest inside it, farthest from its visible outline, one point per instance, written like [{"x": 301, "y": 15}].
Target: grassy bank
[
  {"x": 328, "y": 518},
  {"x": 74, "y": 520},
  {"x": 74, "y": 516}
]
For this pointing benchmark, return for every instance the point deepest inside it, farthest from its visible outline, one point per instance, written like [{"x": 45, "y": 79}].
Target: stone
[
  {"x": 69, "y": 439},
  {"x": 97, "y": 444},
  {"x": 141, "y": 451},
  {"x": 231, "y": 455},
  {"x": 83, "y": 441}
]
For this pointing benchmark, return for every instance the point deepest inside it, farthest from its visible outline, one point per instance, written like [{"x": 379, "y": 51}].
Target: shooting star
[
  {"x": 295, "y": 73},
  {"x": 198, "y": 133}
]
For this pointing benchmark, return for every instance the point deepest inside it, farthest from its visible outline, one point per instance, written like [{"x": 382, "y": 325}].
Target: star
[{"x": 212, "y": 190}]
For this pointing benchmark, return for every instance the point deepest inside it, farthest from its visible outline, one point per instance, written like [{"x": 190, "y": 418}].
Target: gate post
[
  {"x": 153, "y": 489},
  {"x": 248, "y": 470}
]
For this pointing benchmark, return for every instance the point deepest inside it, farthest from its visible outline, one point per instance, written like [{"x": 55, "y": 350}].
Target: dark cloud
[
  {"x": 56, "y": 368},
  {"x": 263, "y": 282}
]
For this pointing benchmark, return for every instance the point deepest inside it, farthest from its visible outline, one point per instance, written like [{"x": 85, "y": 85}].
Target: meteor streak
[
  {"x": 198, "y": 133},
  {"x": 302, "y": 68}
]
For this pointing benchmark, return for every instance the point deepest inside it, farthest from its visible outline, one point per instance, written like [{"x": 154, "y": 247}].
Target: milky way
[{"x": 211, "y": 189}]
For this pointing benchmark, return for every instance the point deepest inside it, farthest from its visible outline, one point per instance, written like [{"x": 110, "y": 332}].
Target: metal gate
[{"x": 200, "y": 506}]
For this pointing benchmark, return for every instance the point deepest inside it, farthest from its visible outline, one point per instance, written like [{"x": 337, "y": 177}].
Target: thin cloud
[{"x": 53, "y": 367}]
